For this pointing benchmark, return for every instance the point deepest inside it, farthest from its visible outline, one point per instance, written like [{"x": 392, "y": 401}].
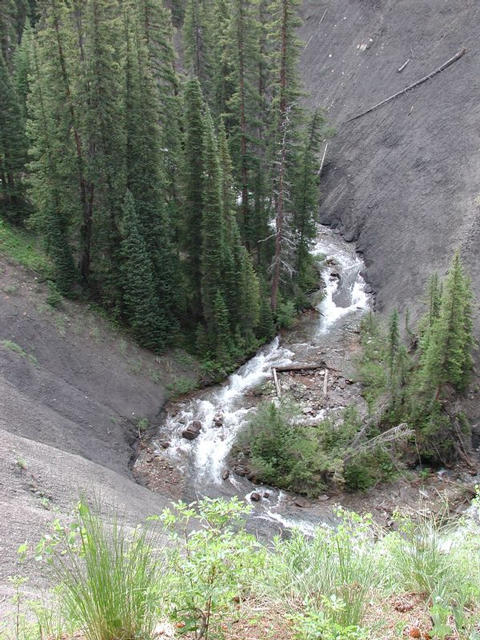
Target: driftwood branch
[
  {"x": 444, "y": 66},
  {"x": 277, "y": 384},
  {"x": 395, "y": 433},
  {"x": 400, "y": 69}
]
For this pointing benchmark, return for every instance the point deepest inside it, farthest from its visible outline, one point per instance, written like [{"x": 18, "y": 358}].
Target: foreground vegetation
[{"x": 197, "y": 568}]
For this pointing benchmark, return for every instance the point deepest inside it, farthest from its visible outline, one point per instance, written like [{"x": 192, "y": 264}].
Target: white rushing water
[
  {"x": 223, "y": 410},
  {"x": 209, "y": 451},
  {"x": 343, "y": 271}
]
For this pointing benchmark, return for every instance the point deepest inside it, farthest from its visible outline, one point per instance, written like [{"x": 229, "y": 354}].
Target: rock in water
[
  {"x": 255, "y": 497},
  {"x": 301, "y": 502},
  {"x": 193, "y": 430}
]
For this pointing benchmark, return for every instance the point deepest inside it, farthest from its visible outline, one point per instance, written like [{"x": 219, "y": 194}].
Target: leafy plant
[
  {"x": 315, "y": 625},
  {"x": 215, "y": 565}
]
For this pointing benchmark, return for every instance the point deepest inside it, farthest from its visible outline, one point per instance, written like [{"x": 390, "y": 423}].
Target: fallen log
[
  {"x": 444, "y": 66},
  {"x": 300, "y": 367}
]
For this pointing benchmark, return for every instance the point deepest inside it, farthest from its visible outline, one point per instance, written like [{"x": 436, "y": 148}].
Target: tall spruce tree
[
  {"x": 305, "y": 200},
  {"x": 193, "y": 171},
  {"x": 199, "y": 45},
  {"x": 144, "y": 169},
  {"x": 212, "y": 227},
  {"x": 286, "y": 122},
  {"x": 52, "y": 189},
  {"x": 139, "y": 301},
  {"x": 12, "y": 147},
  {"x": 447, "y": 359}
]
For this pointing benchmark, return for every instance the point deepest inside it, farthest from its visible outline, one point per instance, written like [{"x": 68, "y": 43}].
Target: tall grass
[
  {"x": 109, "y": 579},
  {"x": 333, "y": 571}
]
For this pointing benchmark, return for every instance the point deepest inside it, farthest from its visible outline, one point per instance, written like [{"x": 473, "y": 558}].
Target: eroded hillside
[
  {"x": 73, "y": 390},
  {"x": 404, "y": 180}
]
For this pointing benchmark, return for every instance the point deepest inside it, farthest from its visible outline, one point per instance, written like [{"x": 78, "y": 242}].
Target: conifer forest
[{"x": 176, "y": 186}]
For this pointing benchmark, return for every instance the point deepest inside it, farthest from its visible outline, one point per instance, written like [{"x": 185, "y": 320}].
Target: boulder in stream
[
  {"x": 192, "y": 431},
  {"x": 255, "y": 496},
  {"x": 302, "y": 502}
]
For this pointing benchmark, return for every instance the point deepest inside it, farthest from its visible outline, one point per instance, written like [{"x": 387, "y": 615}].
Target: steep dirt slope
[
  {"x": 71, "y": 392},
  {"x": 403, "y": 181}
]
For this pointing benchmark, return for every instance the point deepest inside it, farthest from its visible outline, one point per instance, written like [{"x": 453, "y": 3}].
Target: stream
[{"x": 223, "y": 410}]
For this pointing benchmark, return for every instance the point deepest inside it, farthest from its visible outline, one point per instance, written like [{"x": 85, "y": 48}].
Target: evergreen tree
[
  {"x": 243, "y": 107},
  {"x": 266, "y": 326},
  {"x": 393, "y": 342},
  {"x": 50, "y": 187},
  {"x": 249, "y": 296},
  {"x": 102, "y": 114},
  {"x": 144, "y": 170},
  {"x": 23, "y": 68},
  {"x": 139, "y": 302},
  {"x": 193, "y": 170},
  {"x": 447, "y": 359},
  {"x": 305, "y": 200},
  {"x": 286, "y": 122},
  {"x": 222, "y": 337},
  {"x": 8, "y": 22},
  {"x": 12, "y": 147},
  {"x": 198, "y": 43},
  {"x": 212, "y": 228}
]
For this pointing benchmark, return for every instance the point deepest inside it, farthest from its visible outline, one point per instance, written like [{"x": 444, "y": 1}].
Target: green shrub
[
  {"x": 211, "y": 566},
  {"x": 54, "y": 297},
  {"x": 286, "y": 314}
]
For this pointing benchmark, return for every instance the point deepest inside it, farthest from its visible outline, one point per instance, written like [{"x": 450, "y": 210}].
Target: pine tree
[
  {"x": 51, "y": 190},
  {"x": 8, "y": 23},
  {"x": 102, "y": 115},
  {"x": 287, "y": 117},
  {"x": 193, "y": 170},
  {"x": 243, "y": 107},
  {"x": 305, "y": 200},
  {"x": 222, "y": 337},
  {"x": 139, "y": 302},
  {"x": 447, "y": 359},
  {"x": 249, "y": 297},
  {"x": 144, "y": 169},
  {"x": 393, "y": 342},
  {"x": 212, "y": 227},
  {"x": 12, "y": 147},
  {"x": 266, "y": 327},
  {"x": 199, "y": 46},
  {"x": 23, "y": 68}
]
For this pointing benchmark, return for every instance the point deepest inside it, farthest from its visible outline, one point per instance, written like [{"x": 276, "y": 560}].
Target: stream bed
[{"x": 220, "y": 412}]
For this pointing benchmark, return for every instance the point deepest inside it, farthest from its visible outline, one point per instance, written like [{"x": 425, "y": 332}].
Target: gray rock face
[{"x": 402, "y": 181}]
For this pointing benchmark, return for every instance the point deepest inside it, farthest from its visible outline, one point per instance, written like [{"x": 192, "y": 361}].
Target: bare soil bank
[{"x": 71, "y": 392}]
